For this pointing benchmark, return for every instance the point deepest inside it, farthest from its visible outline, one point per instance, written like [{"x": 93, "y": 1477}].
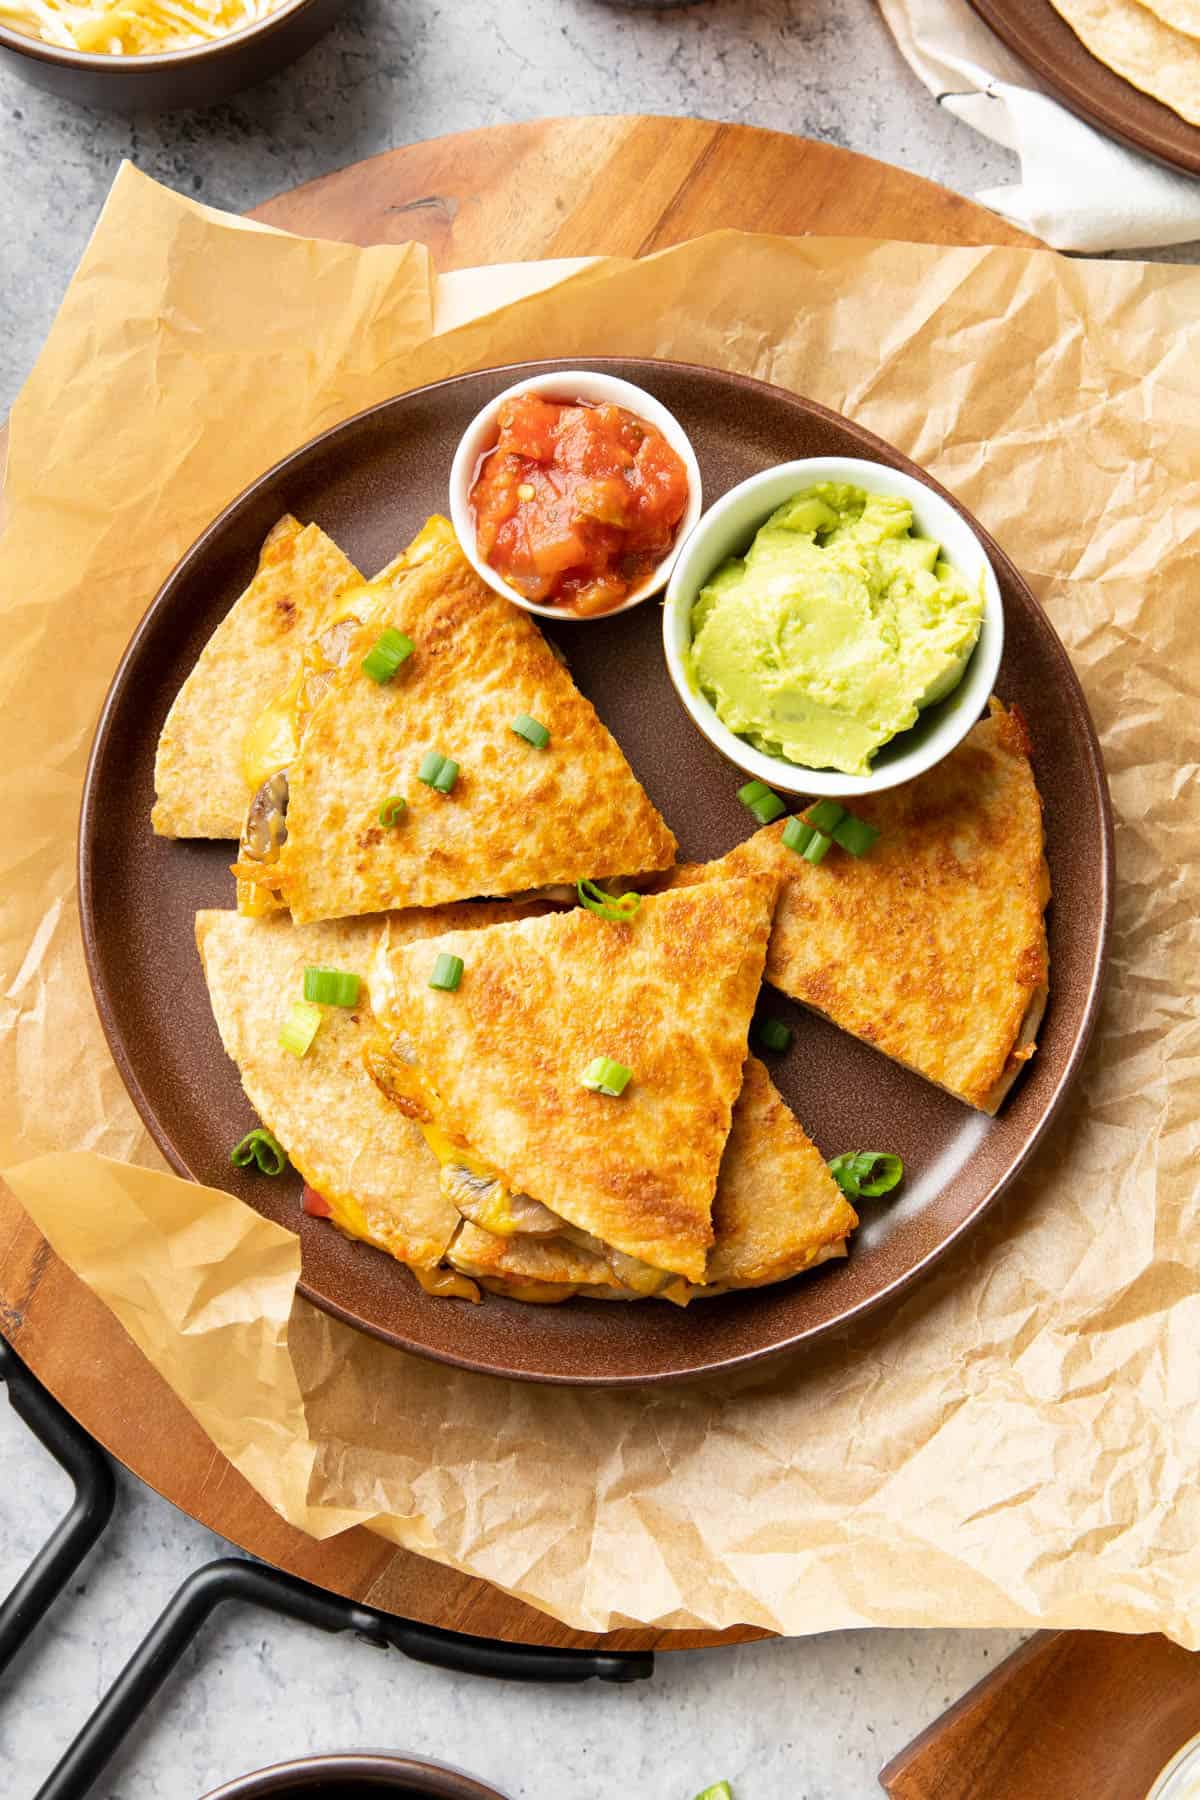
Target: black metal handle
[
  {"x": 230, "y": 1579},
  {"x": 35, "y": 1591}
]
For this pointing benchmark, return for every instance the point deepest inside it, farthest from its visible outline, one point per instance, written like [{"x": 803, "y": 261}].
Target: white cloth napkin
[{"x": 1078, "y": 190}]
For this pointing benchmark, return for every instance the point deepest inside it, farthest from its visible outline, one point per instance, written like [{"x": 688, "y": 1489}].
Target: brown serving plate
[
  {"x": 371, "y": 483},
  {"x": 171, "y": 80},
  {"x": 1043, "y": 39}
]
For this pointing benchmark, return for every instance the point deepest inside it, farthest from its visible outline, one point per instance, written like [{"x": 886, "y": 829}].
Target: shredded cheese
[{"x": 131, "y": 27}]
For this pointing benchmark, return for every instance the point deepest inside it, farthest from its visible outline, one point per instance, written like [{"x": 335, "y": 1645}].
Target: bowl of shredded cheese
[{"x": 157, "y": 55}]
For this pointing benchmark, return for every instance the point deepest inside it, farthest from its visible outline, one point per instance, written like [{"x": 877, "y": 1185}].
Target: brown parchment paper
[{"x": 1018, "y": 1442}]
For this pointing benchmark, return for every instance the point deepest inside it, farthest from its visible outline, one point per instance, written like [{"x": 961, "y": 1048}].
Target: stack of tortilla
[
  {"x": 450, "y": 1125},
  {"x": 1155, "y": 44}
]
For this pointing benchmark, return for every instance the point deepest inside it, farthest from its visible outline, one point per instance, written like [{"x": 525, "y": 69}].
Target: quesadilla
[
  {"x": 502, "y": 1068},
  {"x": 199, "y": 779},
  {"x": 511, "y": 784},
  {"x": 777, "y": 1211},
  {"x": 368, "y": 1162},
  {"x": 932, "y": 947},
  {"x": 383, "y": 1177}
]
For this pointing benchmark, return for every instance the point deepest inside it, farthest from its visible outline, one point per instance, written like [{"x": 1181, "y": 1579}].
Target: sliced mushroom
[{"x": 265, "y": 829}]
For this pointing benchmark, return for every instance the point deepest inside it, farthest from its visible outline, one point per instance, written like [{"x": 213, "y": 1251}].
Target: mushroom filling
[{"x": 265, "y": 830}]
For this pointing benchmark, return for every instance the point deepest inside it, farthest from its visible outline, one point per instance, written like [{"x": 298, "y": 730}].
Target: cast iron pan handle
[
  {"x": 35, "y": 1591},
  {"x": 230, "y": 1579}
]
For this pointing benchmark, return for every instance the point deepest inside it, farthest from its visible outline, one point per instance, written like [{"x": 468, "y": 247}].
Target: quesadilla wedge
[
  {"x": 511, "y": 816},
  {"x": 777, "y": 1211},
  {"x": 931, "y": 947},
  {"x": 497, "y": 1066},
  {"x": 368, "y": 1162},
  {"x": 199, "y": 779}
]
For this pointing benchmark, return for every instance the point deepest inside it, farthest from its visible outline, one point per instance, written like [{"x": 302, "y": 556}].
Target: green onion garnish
[
  {"x": 604, "y": 1076},
  {"x": 805, "y": 840},
  {"x": 447, "y": 972},
  {"x": 720, "y": 1790},
  {"x": 773, "y": 1033},
  {"x": 823, "y": 815},
  {"x": 765, "y": 805},
  {"x": 854, "y": 835},
  {"x": 332, "y": 987},
  {"x": 607, "y": 906},
  {"x": 260, "y": 1148},
  {"x": 300, "y": 1027},
  {"x": 438, "y": 771},
  {"x": 389, "y": 650},
  {"x": 866, "y": 1173},
  {"x": 797, "y": 835},
  {"x": 393, "y": 806},
  {"x": 531, "y": 730}
]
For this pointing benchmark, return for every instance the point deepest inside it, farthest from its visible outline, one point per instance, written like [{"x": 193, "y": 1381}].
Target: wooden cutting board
[
  {"x": 561, "y": 187},
  {"x": 1073, "y": 1715}
]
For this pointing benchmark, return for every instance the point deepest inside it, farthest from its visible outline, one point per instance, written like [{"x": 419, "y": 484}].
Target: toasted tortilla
[
  {"x": 250, "y": 657},
  {"x": 669, "y": 994},
  {"x": 932, "y": 947},
  {"x": 518, "y": 818},
  {"x": 1153, "y": 46},
  {"x": 367, "y": 1160},
  {"x": 777, "y": 1211}
]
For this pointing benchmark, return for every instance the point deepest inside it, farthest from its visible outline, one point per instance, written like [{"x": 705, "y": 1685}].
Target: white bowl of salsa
[{"x": 572, "y": 494}]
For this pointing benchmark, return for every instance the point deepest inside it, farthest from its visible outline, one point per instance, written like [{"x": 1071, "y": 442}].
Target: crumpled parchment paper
[{"x": 1017, "y": 1442}]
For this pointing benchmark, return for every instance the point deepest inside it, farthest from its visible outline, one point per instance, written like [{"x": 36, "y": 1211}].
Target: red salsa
[{"x": 577, "y": 504}]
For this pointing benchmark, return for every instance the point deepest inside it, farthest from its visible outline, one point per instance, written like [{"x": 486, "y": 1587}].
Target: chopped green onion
[
  {"x": 447, "y": 972},
  {"x": 607, "y": 906},
  {"x": 389, "y": 650},
  {"x": 300, "y": 1027},
  {"x": 260, "y": 1148},
  {"x": 438, "y": 771},
  {"x": 393, "y": 806},
  {"x": 797, "y": 835},
  {"x": 773, "y": 1033},
  {"x": 823, "y": 815},
  {"x": 332, "y": 987},
  {"x": 531, "y": 730},
  {"x": 765, "y": 805},
  {"x": 866, "y": 1173},
  {"x": 720, "y": 1790},
  {"x": 817, "y": 847},
  {"x": 854, "y": 835},
  {"x": 604, "y": 1076}
]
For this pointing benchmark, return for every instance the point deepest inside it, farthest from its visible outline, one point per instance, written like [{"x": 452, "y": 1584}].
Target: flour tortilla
[
  {"x": 518, "y": 818},
  {"x": 365, "y": 1158},
  {"x": 250, "y": 657},
  {"x": 669, "y": 994},
  {"x": 777, "y": 1211},
  {"x": 1152, "y": 46},
  {"x": 932, "y": 947}
]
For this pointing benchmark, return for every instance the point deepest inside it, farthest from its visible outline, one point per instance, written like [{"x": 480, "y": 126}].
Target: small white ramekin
[
  {"x": 728, "y": 529},
  {"x": 567, "y": 385}
]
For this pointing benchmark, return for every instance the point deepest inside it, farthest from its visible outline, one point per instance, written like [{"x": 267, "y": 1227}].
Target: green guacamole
[{"x": 833, "y": 631}]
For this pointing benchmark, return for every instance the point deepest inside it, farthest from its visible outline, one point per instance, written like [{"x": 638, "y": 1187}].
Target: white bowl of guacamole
[{"x": 833, "y": 626}]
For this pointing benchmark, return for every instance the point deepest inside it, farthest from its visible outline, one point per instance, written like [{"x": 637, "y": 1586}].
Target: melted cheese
[{"x": 132, "y": 27}]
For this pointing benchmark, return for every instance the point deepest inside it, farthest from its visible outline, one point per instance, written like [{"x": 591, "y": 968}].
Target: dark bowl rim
[
  {"x": 379, "y": 1766},
  {"x": 94, "y": 62},
  {"x": 1074, "y": 700}
]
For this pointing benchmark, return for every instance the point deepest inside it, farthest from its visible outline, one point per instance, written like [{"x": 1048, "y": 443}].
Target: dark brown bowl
[
  {"x": 370, "y": 483},
  {"x": 173, "y": 79},
  {"x": 357, "y": 1776}
]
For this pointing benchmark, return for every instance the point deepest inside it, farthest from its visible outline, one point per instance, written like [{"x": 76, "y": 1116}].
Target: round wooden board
[{"x": 560, "y": 187}]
